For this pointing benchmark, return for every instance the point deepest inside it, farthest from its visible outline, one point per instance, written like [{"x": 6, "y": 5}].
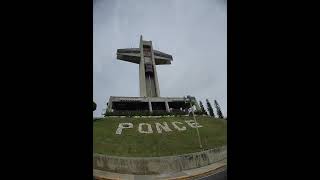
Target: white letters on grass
[
  {"x": 146, "y": 128},
  {"x": 165, "y": 127},
  {"x": 148, "y": 131},
  {"x": 193, "y": 124},
  {"x": 183, "y": 128},
  {"x": 123, "y": 126}
]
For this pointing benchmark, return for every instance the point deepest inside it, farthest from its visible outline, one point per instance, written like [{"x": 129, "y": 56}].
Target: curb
[
  {"x": 210, "y": 172},
  {"x": 100, "y": 178},
  {"x": 191, "y": 160},
  {"x": 104, "y": 178}
]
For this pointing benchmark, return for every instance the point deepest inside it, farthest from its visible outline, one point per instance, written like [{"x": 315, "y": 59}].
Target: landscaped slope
[{"x": 180, "y": 140}]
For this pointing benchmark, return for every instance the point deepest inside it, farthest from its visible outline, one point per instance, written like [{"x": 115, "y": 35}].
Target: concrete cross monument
[
  {"x": 147, "y": 58},
  {"x": 149, "y": 99}
]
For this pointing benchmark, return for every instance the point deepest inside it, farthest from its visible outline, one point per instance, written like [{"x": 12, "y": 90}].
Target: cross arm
[
  {"x": 162, "y": 58},
  {"x": 130, "y": 54}
]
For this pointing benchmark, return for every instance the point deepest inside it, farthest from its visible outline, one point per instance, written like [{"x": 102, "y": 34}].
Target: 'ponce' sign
[{"x": 160, "y": 127}]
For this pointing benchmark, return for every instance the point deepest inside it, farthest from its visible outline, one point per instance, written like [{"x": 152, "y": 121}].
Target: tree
[
  {"x": 219, "y": 113},
  {"x": 94, "y": 106},
  {"x": 210, "y": 109},
  {"x": 202, "y": 108}
]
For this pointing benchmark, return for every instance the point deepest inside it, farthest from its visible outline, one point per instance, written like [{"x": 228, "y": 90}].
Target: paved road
[{"x": 218, "y": 176}]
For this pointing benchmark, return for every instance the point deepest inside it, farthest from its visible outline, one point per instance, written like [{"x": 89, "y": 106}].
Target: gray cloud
[{"x": 193, "y": 32}]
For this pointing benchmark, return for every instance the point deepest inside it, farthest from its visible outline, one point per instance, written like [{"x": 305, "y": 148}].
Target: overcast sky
[{"x": 194, "y": 32}]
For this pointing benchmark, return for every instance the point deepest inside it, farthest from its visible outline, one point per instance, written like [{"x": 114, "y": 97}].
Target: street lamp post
[{"x": 194, "y": 118}]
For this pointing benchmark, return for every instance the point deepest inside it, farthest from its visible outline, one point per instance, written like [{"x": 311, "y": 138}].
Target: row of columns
[{"x": 166, "y": 104}]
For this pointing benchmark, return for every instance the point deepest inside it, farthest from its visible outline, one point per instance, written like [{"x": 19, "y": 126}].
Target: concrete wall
[{"x": 158, "y": 165}]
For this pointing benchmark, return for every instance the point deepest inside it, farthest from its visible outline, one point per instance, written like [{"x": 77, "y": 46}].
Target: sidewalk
[{"x": 187, "y": 174}]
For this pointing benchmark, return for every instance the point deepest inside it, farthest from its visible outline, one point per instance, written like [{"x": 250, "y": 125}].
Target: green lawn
[{"x": 132, "y": 143}]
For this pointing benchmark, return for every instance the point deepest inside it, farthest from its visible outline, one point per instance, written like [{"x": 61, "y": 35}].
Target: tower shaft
[{"x": 149, "y": 85}]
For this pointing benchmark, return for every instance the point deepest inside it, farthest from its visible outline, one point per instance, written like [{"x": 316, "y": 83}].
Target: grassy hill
[{"x": 132, "y": 143}]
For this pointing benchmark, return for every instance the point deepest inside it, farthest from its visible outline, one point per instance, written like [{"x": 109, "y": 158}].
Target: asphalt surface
[{"x": 218, "y": 176}]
